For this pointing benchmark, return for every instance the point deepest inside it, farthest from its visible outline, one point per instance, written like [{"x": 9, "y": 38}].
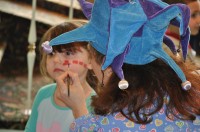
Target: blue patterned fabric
[{"x": 118, "y": 123}]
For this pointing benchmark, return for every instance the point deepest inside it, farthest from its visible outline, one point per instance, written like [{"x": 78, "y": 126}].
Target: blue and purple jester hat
[{"x": 131, "y": 31}]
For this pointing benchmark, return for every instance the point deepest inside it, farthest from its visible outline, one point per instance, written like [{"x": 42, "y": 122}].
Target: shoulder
[
  {"x": 49, "y": 87},
  {"x": 46, "y": 90}
]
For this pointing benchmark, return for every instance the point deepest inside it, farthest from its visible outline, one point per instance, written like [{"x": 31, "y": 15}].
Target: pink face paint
[
  {"x": 80, "y": 63},
  {"x": 85, "y": 65},
  {"x": 66, "y": 62},
  {"x": 75, "y": 61}
]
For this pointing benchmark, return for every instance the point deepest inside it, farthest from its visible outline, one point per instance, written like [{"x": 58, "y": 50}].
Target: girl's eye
[
  {"x": 195, "y": 14},
  {"x": 68, "y": 53}
]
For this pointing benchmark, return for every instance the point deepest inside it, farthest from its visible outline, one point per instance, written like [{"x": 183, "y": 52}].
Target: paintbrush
[{"x": 68, "y": 82}]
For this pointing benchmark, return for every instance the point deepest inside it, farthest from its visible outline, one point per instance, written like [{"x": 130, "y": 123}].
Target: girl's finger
[{"x": 63, "y": 82}]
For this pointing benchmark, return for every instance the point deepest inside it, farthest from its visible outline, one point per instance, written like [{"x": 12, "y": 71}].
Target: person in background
[
  {"x": 143, "y": 88},
  {"x": 194, "y": 24},
  {"x": 49, "y": 112}
]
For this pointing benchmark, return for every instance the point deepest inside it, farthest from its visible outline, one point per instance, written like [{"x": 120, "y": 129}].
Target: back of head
[{"x": 153, "y": 83}]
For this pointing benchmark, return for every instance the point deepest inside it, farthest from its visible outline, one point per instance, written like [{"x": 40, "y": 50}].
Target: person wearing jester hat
[{"x": 144, "y": 88}]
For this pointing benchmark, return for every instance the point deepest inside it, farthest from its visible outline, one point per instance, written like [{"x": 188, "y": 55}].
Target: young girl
[
  {"x": 144, "y": 89},
  {"x": 49, "y": 113}
]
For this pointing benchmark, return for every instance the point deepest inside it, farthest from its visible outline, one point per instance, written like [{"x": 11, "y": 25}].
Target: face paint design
[
  {"x": 66, "y": 62},
  {"x": 82, "y": 64},
  {"x": 75, "y": 62}
]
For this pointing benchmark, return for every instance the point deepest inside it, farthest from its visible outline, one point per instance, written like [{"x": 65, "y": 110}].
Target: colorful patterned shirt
[
  {"x": 46, "y": 116},
  {"x": 118, "y": 123}
]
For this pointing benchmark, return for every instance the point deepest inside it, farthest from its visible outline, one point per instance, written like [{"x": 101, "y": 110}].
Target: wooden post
[
  {"x": 71, "y": 10},
  {"x": 31, "y": 53}
]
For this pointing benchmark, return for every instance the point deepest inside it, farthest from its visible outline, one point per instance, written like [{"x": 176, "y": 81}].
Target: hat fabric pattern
[{"x": 131, "y": 31}]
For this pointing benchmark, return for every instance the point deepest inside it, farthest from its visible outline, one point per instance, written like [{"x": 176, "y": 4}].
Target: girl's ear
[{"x": 89, "y": 66}]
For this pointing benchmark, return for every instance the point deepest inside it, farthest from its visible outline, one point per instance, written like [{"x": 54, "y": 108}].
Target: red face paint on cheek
[
  {"x": 66, "y": 62},
  {"x": 80, "y": 63},
  {"x": 75, "y": 61},
  {"x": 85, "y": 65}
]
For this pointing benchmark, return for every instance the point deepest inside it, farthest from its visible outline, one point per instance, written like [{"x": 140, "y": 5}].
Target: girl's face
[
  {"x": 75, "y": 59},
  {"x": 195, "y": 17}
]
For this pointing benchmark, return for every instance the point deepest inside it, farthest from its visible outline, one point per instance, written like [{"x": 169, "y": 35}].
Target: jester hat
[{"x": 131, "y": 31}]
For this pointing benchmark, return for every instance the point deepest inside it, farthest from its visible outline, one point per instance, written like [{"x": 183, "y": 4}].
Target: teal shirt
[{"x": 46, "y": 116}]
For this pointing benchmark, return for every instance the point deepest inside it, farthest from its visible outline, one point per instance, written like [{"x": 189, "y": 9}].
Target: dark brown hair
[
  {"x": 148, "y": 85},
  {"x": 56, "y": 31}
]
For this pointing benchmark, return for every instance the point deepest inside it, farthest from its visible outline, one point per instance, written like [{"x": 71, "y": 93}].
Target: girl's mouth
[{"x": 58, "y": 70}]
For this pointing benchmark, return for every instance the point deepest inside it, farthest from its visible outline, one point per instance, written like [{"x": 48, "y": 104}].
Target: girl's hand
[{"x": 76, "y": 99}]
